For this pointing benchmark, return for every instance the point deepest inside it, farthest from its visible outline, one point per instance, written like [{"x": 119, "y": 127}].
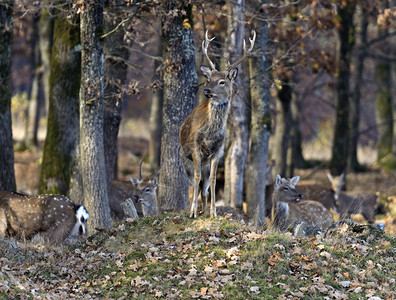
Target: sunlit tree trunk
[
  {"x": 180, "y": 88},
  {"x": 63, "y": 110},
  {"x": 7, "y": 173},
  {"x": 260, "y": 126},
  {"x": 238, "y": 131},
  {"x": 340, "y": 149},
  {"x": 91, "y": 117}
]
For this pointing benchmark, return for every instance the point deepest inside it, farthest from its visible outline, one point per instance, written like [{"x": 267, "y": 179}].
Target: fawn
[
  {"x": 202, "y": 134},
  {"x": 54, "y": 217},
  {"x": 348, "y": 203},
  {"x": 288, "y": 209}
]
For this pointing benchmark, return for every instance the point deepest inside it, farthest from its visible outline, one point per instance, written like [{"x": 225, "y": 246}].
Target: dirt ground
[{"x": 27, "y": 172}]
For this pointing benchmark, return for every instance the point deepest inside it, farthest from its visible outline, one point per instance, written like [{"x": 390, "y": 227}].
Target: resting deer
[
  {"x": 202, "y": 134},
  {"x": 54, "y": 217},
  {"x": 288, "y": 209},
  {"x": 348, "y": 203},
  {"x": 145, "y": 192}
]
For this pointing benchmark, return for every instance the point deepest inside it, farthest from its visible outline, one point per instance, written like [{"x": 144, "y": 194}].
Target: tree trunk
[
  {"x": 353, "y": 163},
  {"x": 157, "y": 100},
  {"x": 180, "y": 88},
  {"x": 7, "y": 173},
  {"x": 62, "y": 123},
  {"x": 33, "y": 112},
  {"x": 283, "y": 126},
  {"x": 91, "y": 117},
  {"x": 295, "y": 157},
  {"x": 260, "y": 126},
  {"x": 115, "y": 75},
  {"x": 384, "y": 101},
  {"x": 238, "y": 132},
  {"x": 46, "y": 31},
  {"x": 340, "y": 149}
]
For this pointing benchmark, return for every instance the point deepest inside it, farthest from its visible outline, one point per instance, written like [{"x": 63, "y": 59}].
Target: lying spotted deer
[
  {"x": 56, "y": 218},
  {"x": 289, "y": 210},
  {"x": 349, "y": 203},
  {"x": 202, "y": 134}
]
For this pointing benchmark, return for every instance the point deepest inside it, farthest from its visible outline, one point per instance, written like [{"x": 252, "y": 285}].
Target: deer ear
[
  {"x": 330, "y": 177},
  {"x": 206, "y": 71},
  {"x": 232, "y": 74},
  {"x": 134, "y": 181},
  {"x": 278, "y": 180},
  {"x": 294, "y": 180}
]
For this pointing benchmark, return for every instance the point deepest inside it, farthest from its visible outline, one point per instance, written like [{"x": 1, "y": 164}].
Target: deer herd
[{"x": 202, "y": 137}]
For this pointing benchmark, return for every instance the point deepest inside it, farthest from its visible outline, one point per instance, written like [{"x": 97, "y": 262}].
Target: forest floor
[{"x": 172, "y": 256}]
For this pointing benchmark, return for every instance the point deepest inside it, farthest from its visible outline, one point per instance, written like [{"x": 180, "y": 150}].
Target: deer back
[{"x": 348, "y": 203}]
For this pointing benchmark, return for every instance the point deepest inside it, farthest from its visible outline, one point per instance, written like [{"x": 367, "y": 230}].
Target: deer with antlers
[{"x": 202, "y": 134}]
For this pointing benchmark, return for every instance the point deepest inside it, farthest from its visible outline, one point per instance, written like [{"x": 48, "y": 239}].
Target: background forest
[{"x": 316, "y": 94}]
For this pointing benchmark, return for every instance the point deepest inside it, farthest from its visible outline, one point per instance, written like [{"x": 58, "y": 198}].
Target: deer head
[
  {"x": 54, "y": 217},
  {"x": 145, "y": 191}
]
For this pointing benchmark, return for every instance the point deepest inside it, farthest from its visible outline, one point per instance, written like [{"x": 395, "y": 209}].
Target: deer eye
[
  {"x": 147, "y": 190},
  {"x": 221, "y": 82},
  {"x": 286, "y": 188}
]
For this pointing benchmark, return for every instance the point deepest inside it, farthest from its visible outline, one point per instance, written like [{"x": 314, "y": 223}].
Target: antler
[
  {"x": 245, "y": 52},
  {"x": 140, "y": 169},
  {"x": 159, "y": 169},
  {"x": 205, "y": 45}
]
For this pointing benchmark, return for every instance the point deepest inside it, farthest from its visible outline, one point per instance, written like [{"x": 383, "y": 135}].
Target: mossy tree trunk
[
  {"x": 260, "y": 126},
  {"x": 63, "y": 115},
  {"x": 115, "y": 69},
  {"x": 91, "y": 117},
  {"x": 340, "y": 149},
  {"x": 7, "y": 173},
  {"x": 238, "y": 131},
  {"x": 180, "y": 88}
]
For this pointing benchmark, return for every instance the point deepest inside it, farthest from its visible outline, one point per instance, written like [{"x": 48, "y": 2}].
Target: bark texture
[
  {"x": 340, "y": 149},
  {"x": 91, "y": 117},
  {"x": 7, "y": 173},
  {"x": 260, "y": 126},
  {"x": 180, "y": 88},
  {"x": 238, "y": 132}
]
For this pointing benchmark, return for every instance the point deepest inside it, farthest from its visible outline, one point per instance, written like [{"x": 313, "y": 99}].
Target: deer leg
[
  {"x": 205, "y": 183},
  {"x": 213, "y": 172},
  {"x": 197, "y": 179},
  {"x": 3, "y": 223}
]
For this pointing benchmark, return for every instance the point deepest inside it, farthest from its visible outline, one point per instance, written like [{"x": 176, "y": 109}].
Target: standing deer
[
  {"x": 54, "y": 217},
  {"x": 288, "y": 209},
  {"x": 348, "y": 203},
  {"x": 145, "y": 192},
  {"x": 202, "y": 134}
]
